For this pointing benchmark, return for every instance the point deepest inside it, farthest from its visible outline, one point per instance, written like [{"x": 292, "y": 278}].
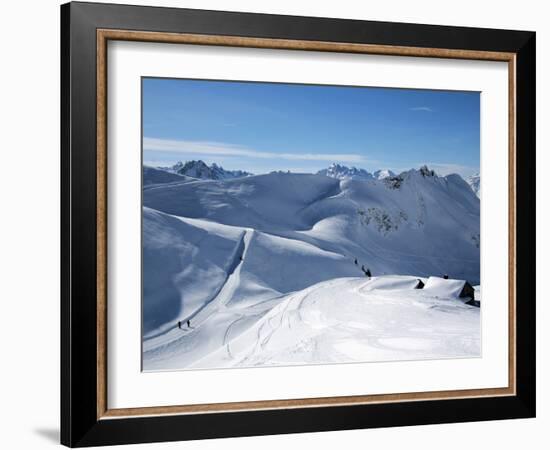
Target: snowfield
[
  {"x": 341, "y": 320},
  {"x": 270, "y": 269}
]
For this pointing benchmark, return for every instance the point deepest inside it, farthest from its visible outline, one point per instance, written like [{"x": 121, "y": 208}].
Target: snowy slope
[
  {"x": 340, "y": 320},
  {"x": 443, "y": 288},
  {"x": 223, "y": 254},
  {"x": 183, "y": 267},
  {"x": 261, "y": 201},
  {"x": 188, "y": 261},
  {"x": 153, "y": 176},
  {"x": 409, "y": 224}
]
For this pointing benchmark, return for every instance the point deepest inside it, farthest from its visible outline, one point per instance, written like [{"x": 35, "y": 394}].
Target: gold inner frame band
[{"x": 103, "y": 36}]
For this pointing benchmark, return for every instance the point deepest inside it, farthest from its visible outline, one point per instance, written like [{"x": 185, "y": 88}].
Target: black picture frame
[{"x": 80, "y": 425}]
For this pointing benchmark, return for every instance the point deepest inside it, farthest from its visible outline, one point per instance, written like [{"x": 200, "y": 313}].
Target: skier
[
  {"x": 445, "y": 277},
  {"x": 188, "y": 324},
  {"x": 355, "y": 261},
  {"x": 179, "y": 324},
  {"x": 367, "y": 273}
]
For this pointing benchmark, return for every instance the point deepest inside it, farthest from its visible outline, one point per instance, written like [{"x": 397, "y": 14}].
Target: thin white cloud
[
  {"x": 422, "y": 108},
  {"x": 224, "y": 149}
]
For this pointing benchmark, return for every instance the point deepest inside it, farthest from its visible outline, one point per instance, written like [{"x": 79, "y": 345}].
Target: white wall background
[{"x": 29, "y": 223}]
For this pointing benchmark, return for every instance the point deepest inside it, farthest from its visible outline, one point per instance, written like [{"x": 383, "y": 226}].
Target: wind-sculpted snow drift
[{"x": 270, "y": 269}]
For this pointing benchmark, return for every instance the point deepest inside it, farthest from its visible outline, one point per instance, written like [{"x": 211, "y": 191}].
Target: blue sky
[{"x": 260, "y": 127}]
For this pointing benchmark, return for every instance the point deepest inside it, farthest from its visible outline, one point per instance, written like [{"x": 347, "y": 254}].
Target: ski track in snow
[
  {"x": 219, "y": 299},
  {"x": 223, "y": 295}
]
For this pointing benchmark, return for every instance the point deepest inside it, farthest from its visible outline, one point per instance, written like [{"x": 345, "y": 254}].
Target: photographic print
[{"x": 292, "y": 224}]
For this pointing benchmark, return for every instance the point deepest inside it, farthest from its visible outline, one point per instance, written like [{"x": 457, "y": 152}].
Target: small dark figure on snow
[
  {"x": 241, "y": 258},
  {"x": 366, "y": 271},
  {"x": 355, "y": 261},
  {"x": 179, "y": 324},
  {"x": 188, "y": 324},
  {"x": 445, "y": 277}
]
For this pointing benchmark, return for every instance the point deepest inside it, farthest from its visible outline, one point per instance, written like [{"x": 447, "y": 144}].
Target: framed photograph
[{"x": 277, "y": 224}]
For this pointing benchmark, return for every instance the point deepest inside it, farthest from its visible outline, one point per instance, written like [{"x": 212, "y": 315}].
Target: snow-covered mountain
[
  {"x": 397, "y": 207},
  {"x": 199, "y": 169},
  {"x": 383, "y": 173},
  {"x": 341, "y": 172},
  {"x": 475, "y": 183},
  {"x": 240, "y": 255}
]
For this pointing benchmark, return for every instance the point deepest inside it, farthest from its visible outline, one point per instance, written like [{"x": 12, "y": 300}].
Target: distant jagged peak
[
  {"x": 176, "y": 167},
  {"x": 380, "y": 174},
  {"x": 396, "y": 181},
  {"x": 341, "y": 172},
  {"x": 424, "y": 171},
  {"x": 199, "y": 169}
]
